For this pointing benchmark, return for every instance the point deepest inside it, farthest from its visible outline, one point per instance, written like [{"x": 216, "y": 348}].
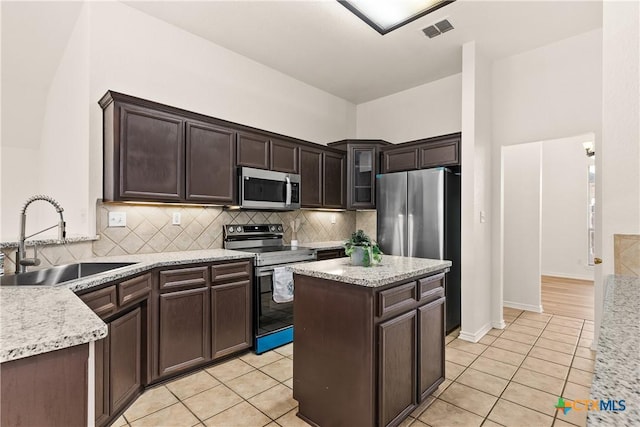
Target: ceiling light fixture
[
  {"x": 588, "y": 147},
  {"x": 387, "y": 15}
]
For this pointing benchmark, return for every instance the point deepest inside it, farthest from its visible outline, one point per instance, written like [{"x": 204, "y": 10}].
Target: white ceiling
[{"x": 323, "y": 44}]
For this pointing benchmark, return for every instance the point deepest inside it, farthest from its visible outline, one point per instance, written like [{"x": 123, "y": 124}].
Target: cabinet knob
[{"x": 597, "y": 261}]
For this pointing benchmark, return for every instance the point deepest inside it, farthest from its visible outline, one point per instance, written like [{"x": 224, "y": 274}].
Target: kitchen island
[{"x": 369, "y": 342}]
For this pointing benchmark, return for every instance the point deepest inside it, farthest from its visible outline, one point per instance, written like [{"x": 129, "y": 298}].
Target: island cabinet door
[
  {"x": 430, "y": 347},
  {"x": 125, "y": 358},
  {"x": 183, "y": 337},
  {"x": 397, "y": 368}
]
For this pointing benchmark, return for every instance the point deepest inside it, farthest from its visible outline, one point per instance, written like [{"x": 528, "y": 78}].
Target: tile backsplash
[
  {"x": 50, "y": 255},
  {"x": 626, "y": 248},
  {"x": 149, "y": 228}
]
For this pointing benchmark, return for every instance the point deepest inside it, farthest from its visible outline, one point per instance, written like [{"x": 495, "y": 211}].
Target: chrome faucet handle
[{"x": 31, "y": 262}]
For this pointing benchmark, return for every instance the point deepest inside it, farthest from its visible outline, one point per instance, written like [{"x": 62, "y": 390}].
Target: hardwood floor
[{"x": 567, "y": 297}]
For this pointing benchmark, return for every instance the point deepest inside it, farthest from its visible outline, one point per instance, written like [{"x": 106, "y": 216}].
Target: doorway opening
[{"x": 548, "y": 197}]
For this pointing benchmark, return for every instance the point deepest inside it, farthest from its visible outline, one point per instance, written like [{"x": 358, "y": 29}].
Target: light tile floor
[{"x": 512, "y": 377}]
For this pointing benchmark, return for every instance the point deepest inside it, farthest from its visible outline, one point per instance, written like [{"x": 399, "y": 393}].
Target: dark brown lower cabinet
[
  {"x": 431, "y": 347},
  {"x": 367, "y": 356},
  {"x": 125, "y": 354},
  {"x": 48, "y": 389},
  {"x": 230, "y": 318},
  {"x": 102, "y": 381},
  {"x": 396, "y": 367},
  {"x": 183, "y": 337}
]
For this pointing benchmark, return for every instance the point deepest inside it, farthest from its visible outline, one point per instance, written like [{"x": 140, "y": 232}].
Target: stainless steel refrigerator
[{"x": 419, "y": 216}]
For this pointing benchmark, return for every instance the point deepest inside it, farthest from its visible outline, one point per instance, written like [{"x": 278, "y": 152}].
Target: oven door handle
[
  {"x": 288, "y": 196},
  {"x": 264, "y": 272}
]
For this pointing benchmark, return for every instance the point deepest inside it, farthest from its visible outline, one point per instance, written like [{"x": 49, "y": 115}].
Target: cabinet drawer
[
  {"x": 397, "y": 299},
  {"x": 134, "y": 290},
  {"x": 102, "y": 302},
  {"x": 431, "y": 286},
  {"x": 183, "y": 277},
  {"x": 230, "y": 271}
]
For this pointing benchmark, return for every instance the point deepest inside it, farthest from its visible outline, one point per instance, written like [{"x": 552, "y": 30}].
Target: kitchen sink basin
[{"x": 60, "y": 274}]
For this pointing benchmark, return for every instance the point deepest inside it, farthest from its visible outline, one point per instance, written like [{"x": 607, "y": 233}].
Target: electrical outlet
[
  {"x": 117, "y": 219},
  {"x": 483, "y": 217},
  {"x": 333, "y": 218},
  {"x": 175, "y": 220}
]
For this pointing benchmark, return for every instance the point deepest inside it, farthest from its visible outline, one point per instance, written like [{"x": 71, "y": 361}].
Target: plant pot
[{"x": 358, "y": 256}]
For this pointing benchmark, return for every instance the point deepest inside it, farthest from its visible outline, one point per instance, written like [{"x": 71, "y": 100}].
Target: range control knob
[
  {"x": 279, "y": 228},
  {"x": 272, "y": 228},
  {"x": 230, "y": 229},
  {"x": 239, "y": 229}
]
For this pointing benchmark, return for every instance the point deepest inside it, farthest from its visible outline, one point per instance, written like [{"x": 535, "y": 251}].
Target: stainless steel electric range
[{"x": 273, "y": 322}]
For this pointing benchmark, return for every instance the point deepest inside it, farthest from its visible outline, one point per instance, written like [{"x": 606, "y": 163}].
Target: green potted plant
[{"x": 362, "y": 250}]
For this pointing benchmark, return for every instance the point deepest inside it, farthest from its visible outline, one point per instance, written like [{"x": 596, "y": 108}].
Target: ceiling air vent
[{"x": 438, "y": 28}]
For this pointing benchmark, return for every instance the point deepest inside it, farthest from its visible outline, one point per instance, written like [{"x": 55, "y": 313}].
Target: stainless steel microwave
[{"x": 262, "y": 189}]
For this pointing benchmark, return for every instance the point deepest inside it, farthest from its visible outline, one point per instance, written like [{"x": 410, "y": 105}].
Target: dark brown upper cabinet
[
  {"x": 283, "y": 156},
  {"x": 146, "y": 161},
  {"x": 362, "y": 168},
  {"x": 252, "y": 150},
  {"x": 157, "y": 153},
  {"x": 210, "y": 168},
  {"x": 422, "y": 154},
  {"x": 311, "y": 174},
  {"x": 333, "y": 188},
  {"x": 443, "y": 153},
  {"x": 400, "y": 159}
]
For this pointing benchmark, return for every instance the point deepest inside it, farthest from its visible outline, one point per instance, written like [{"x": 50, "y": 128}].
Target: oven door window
[
  {"x": 272, "y": 316},
  {"x": 265, "y": 190}
]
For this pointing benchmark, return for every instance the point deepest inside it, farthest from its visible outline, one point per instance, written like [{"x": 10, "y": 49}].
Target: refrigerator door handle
[{"x": 410, "y": 236}]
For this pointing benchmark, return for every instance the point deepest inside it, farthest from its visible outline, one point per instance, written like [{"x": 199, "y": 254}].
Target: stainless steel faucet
[{"x": 21, "y": 260}]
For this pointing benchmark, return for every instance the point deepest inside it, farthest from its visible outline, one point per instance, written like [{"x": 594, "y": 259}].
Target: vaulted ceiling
[{"x": 323, "y": 44}]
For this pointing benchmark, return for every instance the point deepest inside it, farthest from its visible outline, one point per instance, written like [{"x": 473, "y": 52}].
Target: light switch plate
[
  {"x": 117, "y": 219},
  {"x": 333, "y": 218}
]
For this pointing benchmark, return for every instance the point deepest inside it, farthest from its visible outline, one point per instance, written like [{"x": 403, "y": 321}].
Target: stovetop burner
[{"x": 265, "y": 240}]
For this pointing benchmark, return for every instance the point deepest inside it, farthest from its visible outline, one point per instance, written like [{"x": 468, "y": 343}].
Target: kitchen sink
[{"x": 60, "y": 274}]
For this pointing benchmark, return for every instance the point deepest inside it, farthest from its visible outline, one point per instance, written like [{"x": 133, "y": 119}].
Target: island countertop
[
  {"x": 617, "y": 367},
  {"x": 390, "y": 270}
]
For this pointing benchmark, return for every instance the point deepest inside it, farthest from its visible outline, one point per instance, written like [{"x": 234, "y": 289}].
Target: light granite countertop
[
  {"x": 52, "y": 241},
  {"x": 334, "y": 244},
  {"x": 39, "y": 319},
  {"x": 617, "y": 367},
  {"x": 391, "y": 269}
]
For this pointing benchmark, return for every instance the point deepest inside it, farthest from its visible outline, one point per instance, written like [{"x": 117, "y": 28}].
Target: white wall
[
  {"x": 565, "y": 204},
  {"x": 617, "y": 158},
  {"x": 428, "y": 110},
  {"x": 54, "y": 159},
  {"x": 112, "y": 46},
  {"x": 476, "y": 283},
  {"x": 550, "y": 92},
  {"x": 521, "y": 169}
]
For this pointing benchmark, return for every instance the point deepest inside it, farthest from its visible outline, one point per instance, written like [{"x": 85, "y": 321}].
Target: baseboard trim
[
  {"x": 520, "y": 306},
  {"x": 475, "y": 336},
  {"x": 498, "y": 324}
]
